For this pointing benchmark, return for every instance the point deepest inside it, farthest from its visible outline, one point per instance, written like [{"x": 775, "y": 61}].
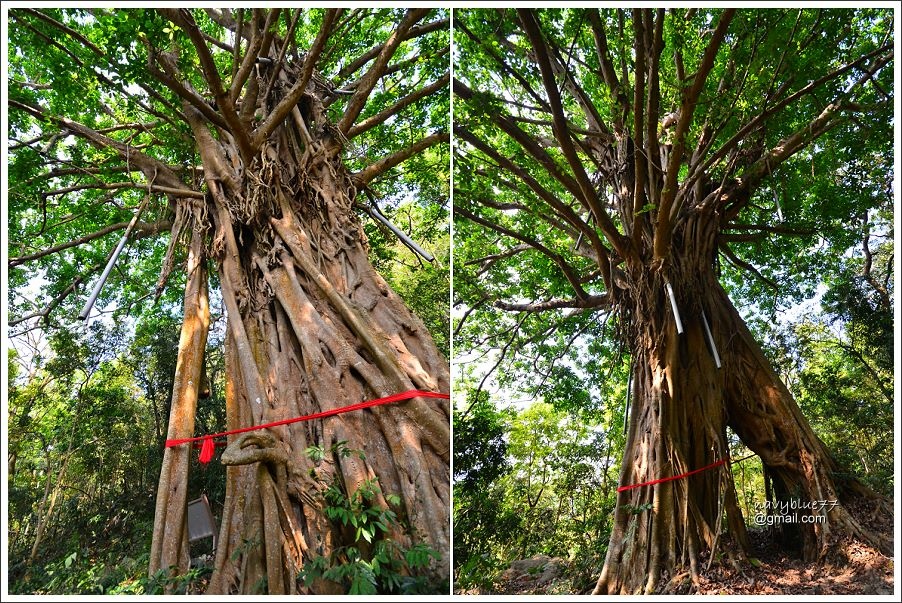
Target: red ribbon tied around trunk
[
  {"x": 208, "y": 445},
  {"x": 674, "y": 477}
]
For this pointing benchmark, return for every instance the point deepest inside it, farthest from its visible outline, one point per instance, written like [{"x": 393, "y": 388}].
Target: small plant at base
[
  {"x": 375, "y": 563},
  {"x": 637, "y": 509}
]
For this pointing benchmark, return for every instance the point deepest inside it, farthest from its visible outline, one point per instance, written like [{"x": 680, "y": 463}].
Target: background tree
[
  {"x": 605, "y": 158},
  {"x": 533, "y": 481},
  {"x": 82, "y": 450},
  {"x": 250, "y": 139}
]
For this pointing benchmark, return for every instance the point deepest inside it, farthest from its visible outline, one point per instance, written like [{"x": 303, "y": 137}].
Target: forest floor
[{"x": 851, "y": 568}]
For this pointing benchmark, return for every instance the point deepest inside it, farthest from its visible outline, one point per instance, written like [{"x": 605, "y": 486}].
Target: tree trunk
[
  {"x": 45, "y": 510},
  {"x": 682, "y": 406},
  {"x": 312, "y": 327},
  {"x": 169, "y": 547}
]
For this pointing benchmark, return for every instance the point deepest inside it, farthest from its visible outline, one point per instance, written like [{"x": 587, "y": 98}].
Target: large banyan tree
[
  {"x": 245, "y": 145},
  {"x": 642, "y": 164}
]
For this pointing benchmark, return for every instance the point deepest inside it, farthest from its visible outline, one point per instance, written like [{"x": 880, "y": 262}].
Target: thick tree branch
[
  {"x": 565, "y": 211},
  {"x": 569, "y": 272},
  {"x": 393, "y": 68},
  {"x": 93, "y": 171},
  {"x": 505, "y": 67},
  {"x": 291, "y": 99},
  {"x": 666, "y": 210},
  {"x": 370, "y": 172},
  {"x": 653, "y": 104},
  {"x": 259, "y": 41},
  {"x": 183, "y": 18},
  {"x": 170, "y": 80},
  {"x": 368, "y": 82},
  {"x": 408, "y": 100},
  {"x": 527, "y": 141},
  {"x": 786, "y": 148},
  {"x": 110, "y": 186},
  {"x": 141, "y": 230},
  {"x": 772, "y": 110},
  {"x": 639, "y": 161},
  {"x": 562, "y": 134},
  {"x": 280, "y": 59},
  {"x": 590, "y": 302},
  {"x": 374, "y": 52},
  {"x": 608, "y": 71},
  {"x": 97, "y": 72},
  {"x": 602, "y": 253},
  {"x": 153, "y": 169}
]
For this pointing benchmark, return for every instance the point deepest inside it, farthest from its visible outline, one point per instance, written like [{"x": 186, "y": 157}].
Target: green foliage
[
  {"x": 93, "y": 67},
  {"x": 374, "y": 563},
  {"x": 480, "y": 450},
  {"x": 88, "y": 414},
  {"x": 796, "y": 248},
  {"x": 86, "y": 427},
  {"x": 838, "y": 362},
  {"x": 165, "y": 581},
  {"x": 542, "y": 482}
]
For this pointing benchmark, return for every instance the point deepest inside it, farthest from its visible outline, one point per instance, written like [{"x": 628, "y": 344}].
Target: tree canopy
[
  {"x": 96, "y": 121},
  {"x": 793, "y": 109}
]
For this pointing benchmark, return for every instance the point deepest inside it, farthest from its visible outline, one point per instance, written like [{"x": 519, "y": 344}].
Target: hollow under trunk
[
  {"x": 311, "y": 327},
  {"x": 682, "y": 404}
]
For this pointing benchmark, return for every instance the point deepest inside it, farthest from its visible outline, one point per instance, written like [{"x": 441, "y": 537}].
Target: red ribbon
[
  {"x": 206, "y": 452},
  {"x": 673, "y": 477}
]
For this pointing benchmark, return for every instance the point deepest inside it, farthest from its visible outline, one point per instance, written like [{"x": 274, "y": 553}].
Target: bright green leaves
[
  {"x": 480, "y": 449},
  {"x": 79, "y": 425},
  {"x": 91, "y": 66},
  {"x": 374, "y": 563},
  {"x": 551, "y": 492}
]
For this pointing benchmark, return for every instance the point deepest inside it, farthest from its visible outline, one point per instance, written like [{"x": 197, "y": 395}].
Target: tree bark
[
  {"x": 169, "y": 547},
  {"x": 311, "y": 326},
  {"x": 322, "y": 330},
  {"x": 682, "y": 406}
]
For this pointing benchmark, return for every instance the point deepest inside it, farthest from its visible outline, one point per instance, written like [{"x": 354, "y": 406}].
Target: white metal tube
[
  {"x": 106, "y": 273},
  {"x": 629, "y": 390},
  {"x": 109, "y": 265},
  {"x": 711, "y": 340},
  {"x": 673, "y": 304},
  {"x": 401, "y": 235}
]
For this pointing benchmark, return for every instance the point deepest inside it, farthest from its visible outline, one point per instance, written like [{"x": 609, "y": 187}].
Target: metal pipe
[
  {"x": 401, "y": 235},
  {"x": 579, "y": 239},
  {"x": 629, "y": 391},
  {"x": 109, "y": 265},
  {"x": 673, "y": 304},
  {"x": 711, "y": 340}
]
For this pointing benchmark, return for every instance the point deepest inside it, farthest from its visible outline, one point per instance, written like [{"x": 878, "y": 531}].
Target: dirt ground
[{"x": 851, "y": 568}]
